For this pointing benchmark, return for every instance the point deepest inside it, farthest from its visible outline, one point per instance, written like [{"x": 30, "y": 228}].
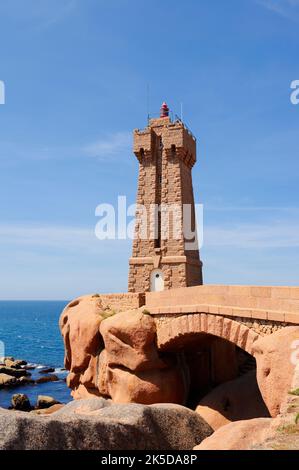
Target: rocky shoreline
[
  {"x": 16, "y": 373},
  {"x": 119, "y": 357},
  {"x": 20, "y": 402},
  {"x": 129, "y": 395}
]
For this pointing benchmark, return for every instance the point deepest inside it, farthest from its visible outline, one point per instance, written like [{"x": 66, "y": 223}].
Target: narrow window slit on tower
[{"x": 158, "y": 232}]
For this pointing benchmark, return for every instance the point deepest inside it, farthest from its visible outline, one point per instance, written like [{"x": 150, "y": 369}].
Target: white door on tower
[{"x": 157, "y": 280}]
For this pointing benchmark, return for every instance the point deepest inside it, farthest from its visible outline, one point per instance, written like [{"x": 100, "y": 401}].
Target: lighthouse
[{"x": 166, "y": 154}]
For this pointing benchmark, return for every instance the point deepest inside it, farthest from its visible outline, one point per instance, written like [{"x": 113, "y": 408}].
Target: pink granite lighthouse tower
[{"x": 166, "y": 152}]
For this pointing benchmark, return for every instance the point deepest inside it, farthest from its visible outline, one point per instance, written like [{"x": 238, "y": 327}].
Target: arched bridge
[{"x": 239, "y": 314}]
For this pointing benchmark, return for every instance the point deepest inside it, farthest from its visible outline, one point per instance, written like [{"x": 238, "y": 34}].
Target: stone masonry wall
[
  {"x": 262, "y": 327},
  {"x": 174, "y": 275},
  {"x": 172, "y": 195},
  {"x": 123, "y": 301},
  {"x": 278, "y": 303}
]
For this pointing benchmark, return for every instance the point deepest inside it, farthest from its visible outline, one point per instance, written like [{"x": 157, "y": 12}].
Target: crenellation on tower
[{"x": 166, "y": 152}]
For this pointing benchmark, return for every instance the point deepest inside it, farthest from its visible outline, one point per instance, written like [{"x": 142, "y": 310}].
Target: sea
[{"x": 29, "y": 330}]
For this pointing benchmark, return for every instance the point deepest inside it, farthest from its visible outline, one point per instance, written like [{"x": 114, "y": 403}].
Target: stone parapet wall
[
  {"x": 267, "y": 298},
  {"x": 268, "y": 316},
  {"x": 123, "y": 301}
]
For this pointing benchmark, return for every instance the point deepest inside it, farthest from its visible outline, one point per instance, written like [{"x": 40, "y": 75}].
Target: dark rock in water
[
  {"x": 10, "y": 363},
  {"x": 6, "y": 358},
  {"x": 29, "y": 367},
  {"x": 15, "y": 363},
  {"x": 25, "y": 381},
  {"x": 98, "y": 424},
  {"x": 7, "y": 380},
  {"x": 21, "y": 362},
  {"x": 46, "y": 370},
  {"x": 47, "y": 378},
  {"x": 13, "y": 372},
  {"x": 11, "y": 381},
  {"x": 44, "y": 401},
  {"x": 20, "y": 402}
]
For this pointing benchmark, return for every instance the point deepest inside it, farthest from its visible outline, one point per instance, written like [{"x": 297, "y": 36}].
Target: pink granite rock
[
  {"x": 240, "y": 435},
  {"x": 131, "y": 369},
  {"x": 79, "y": 325},
  {"x": 236, "y": 400},
  {"x": 275, "y": 367}
]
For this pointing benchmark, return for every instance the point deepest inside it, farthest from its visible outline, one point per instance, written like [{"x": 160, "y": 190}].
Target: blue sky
[{"x": 76, "y": 74}]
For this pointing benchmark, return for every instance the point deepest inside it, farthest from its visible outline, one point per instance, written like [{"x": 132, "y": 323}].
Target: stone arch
[{"x": 170, "y": 330}]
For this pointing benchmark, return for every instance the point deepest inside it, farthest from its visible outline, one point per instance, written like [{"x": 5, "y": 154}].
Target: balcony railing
[{"x": 173, "y": 118}]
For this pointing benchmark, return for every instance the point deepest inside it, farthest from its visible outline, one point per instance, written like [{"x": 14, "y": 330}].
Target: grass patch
[
  {"x": 297, "y": 418},
  {"x": 95, "y": 296},
  {"x": 107, "y": 313},
  {"x": 289, "y": 429},
  {"x": 294, "y": 392},
  {"x": 276, "y": 446},
  {"x": 146, "y": 312}
]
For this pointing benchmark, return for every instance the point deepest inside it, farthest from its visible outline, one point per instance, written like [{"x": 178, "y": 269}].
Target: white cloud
[
  {"x": 61, "y": 238},
  {"x": 52, "y": 262},
  {"x": 56, "y": 261},
  {"x": 273, "y": 235},
  {"x": 286, "y": 8},
  {"x": 270, "y": 209},
  {"x": 40, "y": 13},
  {"x": 113, "y": 145},
  {"x": 43, "y": 234},
  {"x": 60, "y": 13}
]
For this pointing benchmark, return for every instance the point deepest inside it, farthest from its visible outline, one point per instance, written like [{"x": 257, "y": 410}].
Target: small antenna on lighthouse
[
  {"x": 181, "y": 111},
  {"x": 148, "y": 101}
]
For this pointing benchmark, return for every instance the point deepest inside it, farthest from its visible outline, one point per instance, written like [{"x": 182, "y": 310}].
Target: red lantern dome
[{"x": 164, "y": 111}]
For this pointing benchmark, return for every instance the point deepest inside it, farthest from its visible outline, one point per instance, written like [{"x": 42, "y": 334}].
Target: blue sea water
[{"x": 29, "y": 330}]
